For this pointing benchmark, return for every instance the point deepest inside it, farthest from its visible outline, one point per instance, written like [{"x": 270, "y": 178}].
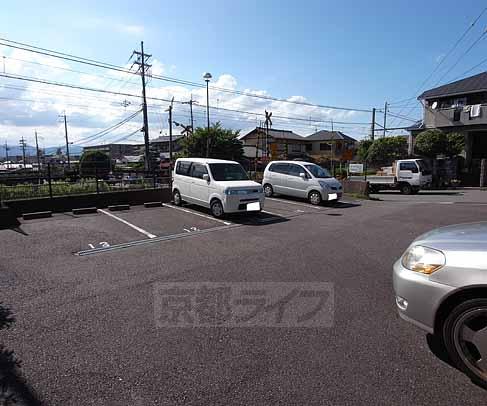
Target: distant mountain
[{"x": 31, "y": 151}]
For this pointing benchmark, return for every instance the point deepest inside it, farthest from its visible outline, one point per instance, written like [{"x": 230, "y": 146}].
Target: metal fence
[{"x": 46, "y": 185}]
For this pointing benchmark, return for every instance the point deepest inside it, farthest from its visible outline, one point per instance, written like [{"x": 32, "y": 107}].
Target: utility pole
[
  {"x": 332, "y": 147},
  {"x": 6, "y": 154},
  {"x": 141, "y": 61},
  {"x": 191, "y": 102},
  {"x": 373, "y": 124},
  {"x": 170, "y": 135},
  {"x": 67, "y": 139},
  {"x": 191, "y": 112},
  {"x": 385, "y": 119},
  {"x": 268, "y": 122},
  {"x": 38, "y": 154},
  {"x": 23, "y": 145}
]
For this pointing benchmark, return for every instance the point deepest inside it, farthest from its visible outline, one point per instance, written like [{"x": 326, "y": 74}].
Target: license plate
[
  {"x": 253, "y": 206},
  {"x": 333, "y": 196}
]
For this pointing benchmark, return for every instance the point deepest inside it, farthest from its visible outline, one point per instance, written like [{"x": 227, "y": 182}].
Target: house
[
  {"x": 334, "y": 145},
  {"x": 282, "y": 144},
  {"x": 459, "y": 107}
]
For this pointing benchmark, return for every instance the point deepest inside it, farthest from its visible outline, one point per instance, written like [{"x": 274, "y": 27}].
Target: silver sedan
[{"x": 440, "y": 284}]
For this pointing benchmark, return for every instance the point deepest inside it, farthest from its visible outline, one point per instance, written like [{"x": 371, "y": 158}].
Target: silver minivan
[{"x": 301, "y": 179}]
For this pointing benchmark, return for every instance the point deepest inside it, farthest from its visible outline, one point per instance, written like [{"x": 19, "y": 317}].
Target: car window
[
  {"x": 318, "y": 171},
  {"x": 228, "y": 172},
  {"x": 408, "y": 166},
  {"x": 198, "y": 171},
  {"x": 295, "y": 170},
  {"x": 183, "y": 167},
  {"x": 280, "y": 168}
]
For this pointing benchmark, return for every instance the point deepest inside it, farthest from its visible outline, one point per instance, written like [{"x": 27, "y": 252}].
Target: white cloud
[{"x": 90, "y": 112}]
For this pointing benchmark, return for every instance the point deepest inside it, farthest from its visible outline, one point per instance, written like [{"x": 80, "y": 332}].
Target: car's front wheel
[
  {"x": 465, "y": 337},
  {"x": 406, "y": 189},
  {"x": 216, "y": 208},
  {"x": 314, "y": 198},
  {"x": 268, "y": 190},
  {"x": 176, "y": 198}
]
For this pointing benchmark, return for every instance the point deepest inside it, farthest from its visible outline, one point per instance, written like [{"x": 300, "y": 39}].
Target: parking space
[{"x": 106, "y": 230}]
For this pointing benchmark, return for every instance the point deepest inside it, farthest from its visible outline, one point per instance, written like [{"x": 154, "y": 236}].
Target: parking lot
[
  {"x": 88, "y": 234},
  {"x": 81, "y": 290}
]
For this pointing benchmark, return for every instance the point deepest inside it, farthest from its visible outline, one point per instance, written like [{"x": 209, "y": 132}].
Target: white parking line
[
  {"x": 227, "y": 223},
  {"x": 271, "y": 213},
  {"x": 140, "y": 230},
  {"x": 296, "y": 203}
]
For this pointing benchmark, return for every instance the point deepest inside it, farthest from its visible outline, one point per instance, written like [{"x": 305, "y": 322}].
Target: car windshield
[
  {"x": 318, "y": 171},
  {"x": 228, "y": 172}
]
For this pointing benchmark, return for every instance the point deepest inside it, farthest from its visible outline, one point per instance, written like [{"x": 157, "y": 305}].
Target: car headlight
[
  {"x": 423, "y": 259},
  {"x": 324, "y": 185}
]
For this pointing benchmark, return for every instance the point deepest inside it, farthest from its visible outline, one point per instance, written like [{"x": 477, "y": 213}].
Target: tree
[
  {"x": 434, "y": 142},
  {"x": 94, "y": 163},
  {"x": 431, "y": 143},
  {"x": 456, "y": 144},
  {"x": 387, "y": 149},
  {"x": 224, "y": 143},
  {"x": 363, "y": 149}
]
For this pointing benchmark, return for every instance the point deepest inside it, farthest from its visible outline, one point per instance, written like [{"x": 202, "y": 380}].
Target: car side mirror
[
  {"x": 206, "y": 177},
  {"x": 303, "y": 175}
]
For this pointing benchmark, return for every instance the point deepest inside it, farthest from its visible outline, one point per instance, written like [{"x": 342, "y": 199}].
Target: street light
[{"x": 207, "y": 76}]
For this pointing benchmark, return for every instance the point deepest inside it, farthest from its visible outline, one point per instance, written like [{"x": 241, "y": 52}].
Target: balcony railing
[{"x": 446, "y": 117}]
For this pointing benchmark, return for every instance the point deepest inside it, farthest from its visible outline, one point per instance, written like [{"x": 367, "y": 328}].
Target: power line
[
  {"x": 126, "y": 136},
  {"x": 104, "y": 65},
  {"x": 452, "y": 49},
  {"x": 461, "y": 57},
  {"x": 108, "y": 130},
  {"x": 68, "y": 85}
]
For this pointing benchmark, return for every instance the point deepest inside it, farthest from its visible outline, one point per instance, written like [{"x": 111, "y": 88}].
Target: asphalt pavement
[{"x": 82, "y": 290}]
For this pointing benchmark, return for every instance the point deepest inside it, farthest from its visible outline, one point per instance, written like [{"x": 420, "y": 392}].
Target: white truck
[{"x": 407, "y": 175}]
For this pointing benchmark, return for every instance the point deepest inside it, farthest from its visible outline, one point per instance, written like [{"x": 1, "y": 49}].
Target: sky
[{"x": 357, "y": 54}]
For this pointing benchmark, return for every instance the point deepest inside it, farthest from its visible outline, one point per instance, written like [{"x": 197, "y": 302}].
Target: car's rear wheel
[
  {"x": 268, "y": 190},
  {"x": 216, "y": 208},
  {"x": 176, "y": 198},
  {"x": 314, "y": 198},
  {"x": 465, "y": 337}
]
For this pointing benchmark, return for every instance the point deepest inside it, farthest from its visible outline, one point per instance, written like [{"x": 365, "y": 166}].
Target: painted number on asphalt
[
  {"x": 101, "y": 244},
  {"x": 191, "y": 229}
]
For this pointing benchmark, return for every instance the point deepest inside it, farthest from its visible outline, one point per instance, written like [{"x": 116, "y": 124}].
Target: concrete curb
[
  {"x": 37, "y": 215},
  {"x": 119, "y": 207},
  {"x": 152, "y": 204},
  {"x": 85, "y": 210}
]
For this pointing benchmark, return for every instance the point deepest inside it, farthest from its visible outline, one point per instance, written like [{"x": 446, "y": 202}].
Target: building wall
[
  {"x": 115, "y": 151},
  {"x": 339, "y": 150},
  {"x": 442, "y": 118}
]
